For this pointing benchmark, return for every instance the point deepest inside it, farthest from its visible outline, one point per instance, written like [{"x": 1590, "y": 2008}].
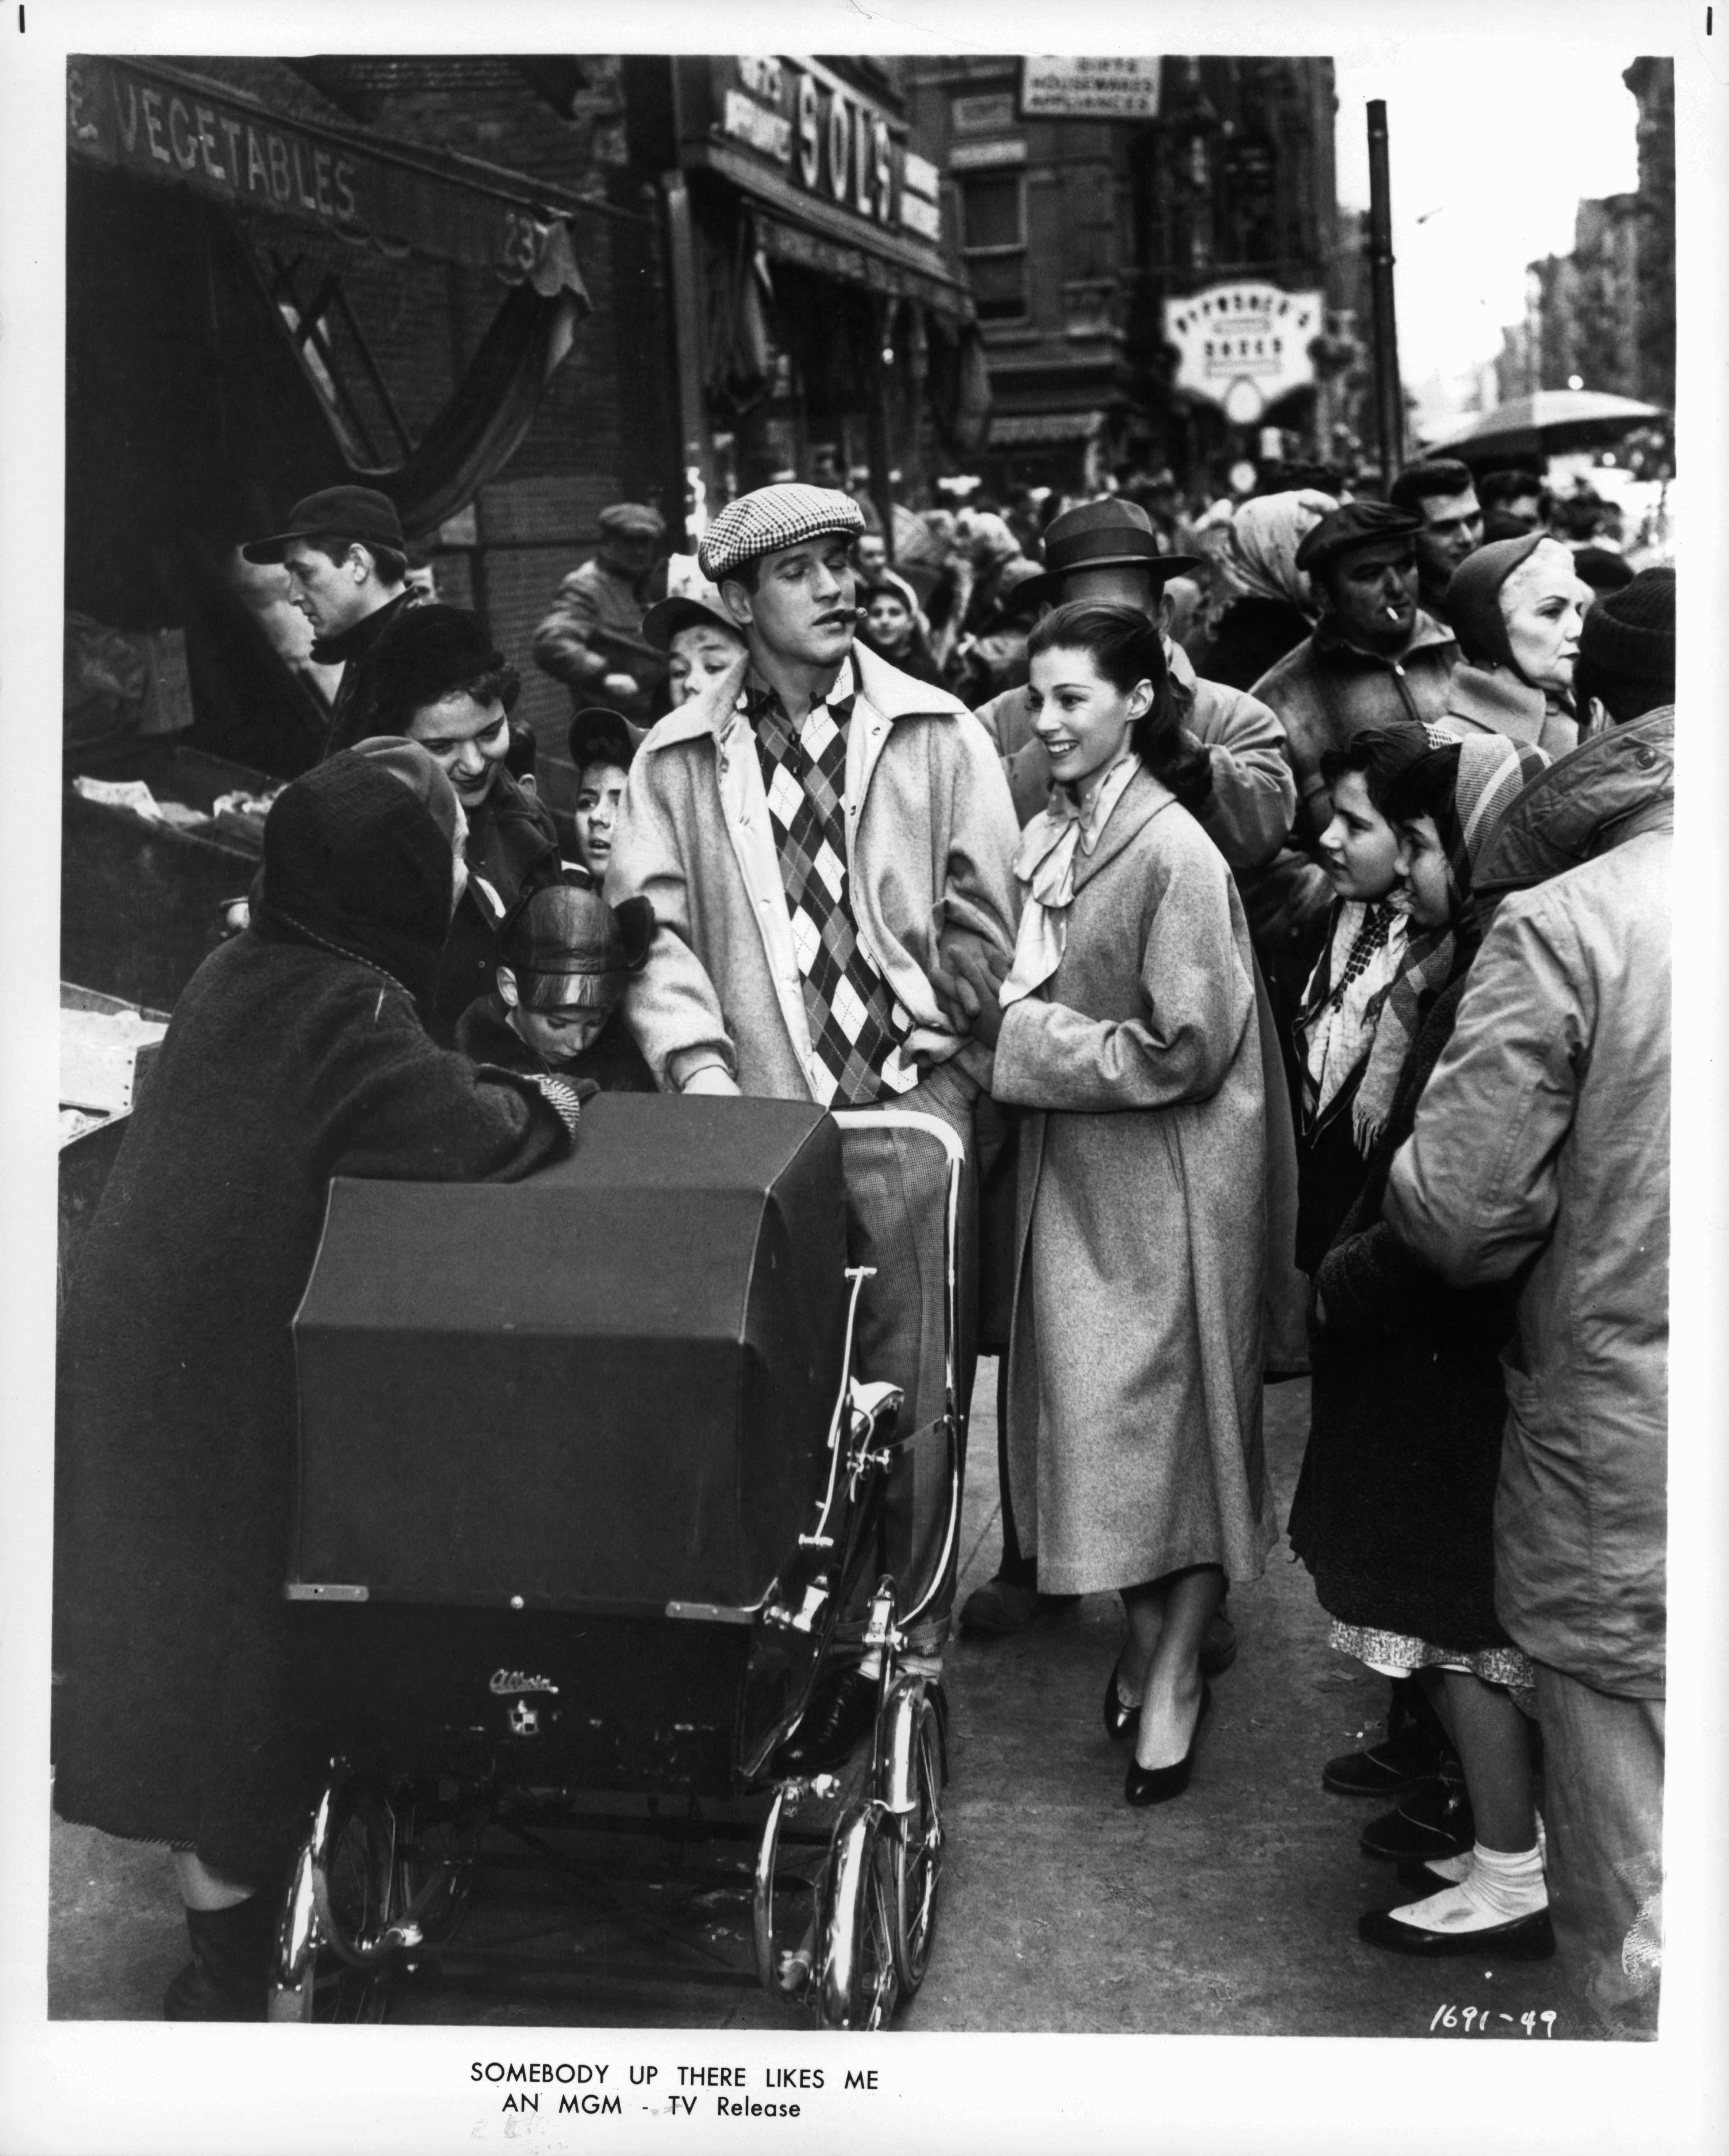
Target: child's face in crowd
[
  {"x": 1424, "y": 889},
  {"x": 890, "y": 623},
  {"x": 599, "y": 791},
  {"x": 558, "y": 1037},
  {"x": 1359, "y": 848},
  {"x": 697, "y": 656}
]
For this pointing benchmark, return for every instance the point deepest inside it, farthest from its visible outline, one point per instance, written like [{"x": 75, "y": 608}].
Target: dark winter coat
[
  {"x": 288, "y": 1061},
  {"x": 1394, "y": 1508},
  {"x": 350, "y": 719},
  {"x": 1251, "y": 635}
]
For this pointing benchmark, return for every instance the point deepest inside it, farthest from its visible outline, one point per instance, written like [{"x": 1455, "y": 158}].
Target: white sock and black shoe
[{"x": 1497, "y": 1903}]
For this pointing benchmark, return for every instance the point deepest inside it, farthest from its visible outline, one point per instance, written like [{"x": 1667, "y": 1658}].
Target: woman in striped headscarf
[{"x": 1393, "y": 1513}]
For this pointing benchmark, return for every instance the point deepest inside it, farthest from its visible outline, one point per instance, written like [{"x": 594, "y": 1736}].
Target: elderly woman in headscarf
[
  {"x": 1265, "y": 607},
  {"x": 1516, "y": 608},
  {"x": 1393, "y": 1512},
  {"x": 298, "y": 1052}
]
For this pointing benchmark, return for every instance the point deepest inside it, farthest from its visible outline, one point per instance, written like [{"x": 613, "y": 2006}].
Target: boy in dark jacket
[{"x": 564, "y": 956}]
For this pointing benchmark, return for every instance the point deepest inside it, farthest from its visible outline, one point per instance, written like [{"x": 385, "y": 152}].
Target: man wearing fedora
[
  {"x": 1106, "y": 551},
  {"x": 347, "y": 565},
  {"x": 817, "y": 833}
]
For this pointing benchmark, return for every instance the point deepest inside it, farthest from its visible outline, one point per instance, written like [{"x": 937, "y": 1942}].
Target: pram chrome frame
[{"x": 384, "y": 1872}]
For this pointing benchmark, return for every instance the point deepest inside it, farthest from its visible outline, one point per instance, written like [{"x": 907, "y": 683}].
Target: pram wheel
[
  {"x": 914, "y": 1772},
  {"x": 438, "y": 1830},
  {"x": 342, "y": 1888},
  {"x": 858, "y": 1985},
  {"x": 384, "y": 1868}
]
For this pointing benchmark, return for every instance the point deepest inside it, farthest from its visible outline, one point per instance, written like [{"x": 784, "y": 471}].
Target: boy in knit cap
[{"x": 564, "y": 956}]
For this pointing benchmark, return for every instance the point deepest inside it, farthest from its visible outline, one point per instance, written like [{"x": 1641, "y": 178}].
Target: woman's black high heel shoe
[
  {"x": 1157, "y": 1785},
  {"x": 1119, "y": 1720}
]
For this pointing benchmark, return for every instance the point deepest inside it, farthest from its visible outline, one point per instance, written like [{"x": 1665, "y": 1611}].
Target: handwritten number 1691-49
[{"x": 1473, "y": 2021}]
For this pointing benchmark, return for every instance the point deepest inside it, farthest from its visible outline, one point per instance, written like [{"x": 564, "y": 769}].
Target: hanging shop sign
[
  {"x": 1058, "y": 86},
  {"x": 792, "y": 132},
  {"x": 161, "y": 123},
  {"x": 1244, "y": 345}
]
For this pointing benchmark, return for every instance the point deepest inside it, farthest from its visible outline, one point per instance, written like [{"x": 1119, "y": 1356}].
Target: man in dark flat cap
[
  {"x": 1375, "y": 658},
  {"x": 591, "y": 640},
  {"x": 347, "y": 564}
]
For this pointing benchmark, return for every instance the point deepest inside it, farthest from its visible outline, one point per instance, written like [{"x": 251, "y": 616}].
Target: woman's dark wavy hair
[{"x": 1127, "y": 649}]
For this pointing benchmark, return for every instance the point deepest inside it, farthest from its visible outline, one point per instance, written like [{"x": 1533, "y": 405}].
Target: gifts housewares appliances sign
[
  {"x": 1057, "y": 86},
  {"x": 1244, "y": 345}
]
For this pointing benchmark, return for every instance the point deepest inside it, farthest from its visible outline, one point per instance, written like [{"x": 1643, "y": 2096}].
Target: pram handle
[{"x": 955, "y": 1167}]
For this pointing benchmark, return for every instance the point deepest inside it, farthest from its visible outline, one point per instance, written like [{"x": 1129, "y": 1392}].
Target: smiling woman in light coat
[{"x": 1127, "y": 1027}]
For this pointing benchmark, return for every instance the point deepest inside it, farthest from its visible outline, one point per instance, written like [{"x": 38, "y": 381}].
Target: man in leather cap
[
  {"x": 1375, "y": 658},
  {"x": 347, "y": 565}
]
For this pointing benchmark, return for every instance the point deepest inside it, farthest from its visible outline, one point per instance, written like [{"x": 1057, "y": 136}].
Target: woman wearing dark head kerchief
[
  {"x": 1393, "y": 1513},
  {"x": 296, "y": 1053},
  {"x": 1516, "y": 606}
]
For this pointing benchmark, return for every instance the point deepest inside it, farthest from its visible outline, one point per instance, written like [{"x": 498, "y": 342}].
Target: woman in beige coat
[{"x": 1126, "y": 1026}]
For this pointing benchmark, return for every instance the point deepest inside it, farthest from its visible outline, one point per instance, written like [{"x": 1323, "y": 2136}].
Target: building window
[{"x": 993, "y": 240}]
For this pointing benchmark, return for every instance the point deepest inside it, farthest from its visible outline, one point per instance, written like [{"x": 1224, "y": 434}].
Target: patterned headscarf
[
  {"x": 1489, "y": 774},
  {"x": 1260, "y": 557}
]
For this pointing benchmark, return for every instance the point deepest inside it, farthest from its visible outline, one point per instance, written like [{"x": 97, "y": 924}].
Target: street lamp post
[{"x": 1389, "y": 393}]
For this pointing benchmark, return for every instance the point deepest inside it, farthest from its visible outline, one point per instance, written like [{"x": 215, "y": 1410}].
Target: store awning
[
  {"x": 783, "y": 242},
  {"x": 166, "y": 124}
]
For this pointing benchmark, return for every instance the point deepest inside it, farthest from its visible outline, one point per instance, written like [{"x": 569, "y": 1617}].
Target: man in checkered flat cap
[{"x": 816, "y": 832}]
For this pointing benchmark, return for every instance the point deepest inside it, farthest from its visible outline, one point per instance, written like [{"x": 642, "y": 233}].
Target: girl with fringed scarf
[
  {"x": 1393, "y": 1510},
  {"x": 1344, "y": 1086}
]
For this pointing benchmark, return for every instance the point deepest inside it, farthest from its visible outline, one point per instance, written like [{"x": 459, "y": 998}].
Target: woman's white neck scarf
[{"x": 1045, "y": 867}]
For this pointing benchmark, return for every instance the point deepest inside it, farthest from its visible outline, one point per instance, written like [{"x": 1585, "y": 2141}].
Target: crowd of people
[{"x": 1274, "y": 903}]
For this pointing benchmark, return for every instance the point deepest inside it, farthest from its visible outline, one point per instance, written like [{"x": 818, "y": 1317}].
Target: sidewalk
[{"x": 1232, "y": 1911}]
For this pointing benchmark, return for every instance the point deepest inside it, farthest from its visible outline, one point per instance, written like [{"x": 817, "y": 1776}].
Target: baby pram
[{"x": 588, "y": 1482}]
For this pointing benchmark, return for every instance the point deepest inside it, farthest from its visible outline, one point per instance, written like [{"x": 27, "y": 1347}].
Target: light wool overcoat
[
  {"x": 931, "y": 841},
  {"x": 1135, "y": 1397}
]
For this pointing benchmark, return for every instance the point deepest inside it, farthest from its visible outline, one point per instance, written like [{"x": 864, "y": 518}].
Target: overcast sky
[{"x": 1492, "y": 150}]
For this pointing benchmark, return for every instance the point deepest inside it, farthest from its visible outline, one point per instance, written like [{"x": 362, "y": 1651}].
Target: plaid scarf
[{"x": 846, "y": 1000}]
